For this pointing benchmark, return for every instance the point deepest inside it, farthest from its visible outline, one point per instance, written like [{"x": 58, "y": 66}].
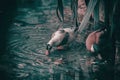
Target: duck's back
[
  {"x": 93, "y": 38},
  {"x": 57, "y": 37},
  {"x": 72, "y": 35}
]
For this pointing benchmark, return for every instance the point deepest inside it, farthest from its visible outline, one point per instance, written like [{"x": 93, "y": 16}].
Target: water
[{"x": 28, "y": 35}]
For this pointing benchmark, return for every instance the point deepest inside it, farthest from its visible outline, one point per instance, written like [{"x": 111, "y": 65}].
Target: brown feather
[{"x": 93, "y": 38}]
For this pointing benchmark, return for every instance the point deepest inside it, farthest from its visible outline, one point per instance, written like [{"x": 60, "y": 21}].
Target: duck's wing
[
  {"x": 65, "y": 39},
  {"x": 60, "y": 31}
]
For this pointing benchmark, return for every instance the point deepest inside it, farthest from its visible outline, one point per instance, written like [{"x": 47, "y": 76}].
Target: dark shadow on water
[
  {"x": 7, "y": 13},
  {"x": 55, "y": 53}
]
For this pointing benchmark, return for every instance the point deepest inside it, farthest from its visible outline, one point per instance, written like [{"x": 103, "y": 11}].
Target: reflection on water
[{"x": 31, "y": 30}]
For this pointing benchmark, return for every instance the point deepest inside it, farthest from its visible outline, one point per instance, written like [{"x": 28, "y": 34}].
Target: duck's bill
[{"x": 47, "y": 52}]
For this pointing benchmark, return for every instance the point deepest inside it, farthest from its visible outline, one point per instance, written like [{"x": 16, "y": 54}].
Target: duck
[
  {"x": 61, "y": 39},
  {"x": 96, "y": 40}
]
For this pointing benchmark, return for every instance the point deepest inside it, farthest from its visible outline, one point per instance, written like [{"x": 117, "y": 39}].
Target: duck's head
[{"x": 48, "y": 49}]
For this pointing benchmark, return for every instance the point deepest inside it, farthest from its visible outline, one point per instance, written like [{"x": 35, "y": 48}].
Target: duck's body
[
  {"x": 61, "y": 37},
  {"x": 94, "y": 40}
]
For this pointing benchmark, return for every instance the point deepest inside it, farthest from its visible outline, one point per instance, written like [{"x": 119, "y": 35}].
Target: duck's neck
[{"x": 50, "y": 42}]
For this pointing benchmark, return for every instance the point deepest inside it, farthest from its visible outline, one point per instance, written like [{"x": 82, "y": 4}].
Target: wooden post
[
  {"x": 117, "y": 61},
  {"x": 116, "y": 27},
  {"x": 117, "y": 56}
]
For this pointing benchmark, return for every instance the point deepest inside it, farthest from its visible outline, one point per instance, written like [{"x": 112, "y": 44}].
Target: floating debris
[
  {"x": 39, "y": 61},
  {"x": 22, "y": 65},
  {"x": 58, "y": 61},
  {"x": 22, "y": 74},
  {"x": 49, "y": 60},
  {"x": 40, "y": 51}
]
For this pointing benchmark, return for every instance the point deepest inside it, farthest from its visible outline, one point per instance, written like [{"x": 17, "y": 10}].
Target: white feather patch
[{"x": 92, "y": 49}]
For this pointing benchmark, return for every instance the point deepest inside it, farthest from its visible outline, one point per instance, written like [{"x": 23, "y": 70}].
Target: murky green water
[{"x": 28, "y": 35}]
